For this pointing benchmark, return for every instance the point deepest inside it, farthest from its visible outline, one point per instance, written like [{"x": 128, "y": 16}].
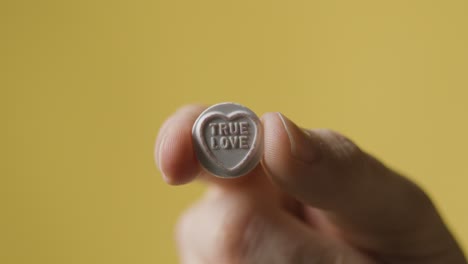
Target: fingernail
[
  {"x": 160, "y": 148},
  {"x": 302, "y": 147}
]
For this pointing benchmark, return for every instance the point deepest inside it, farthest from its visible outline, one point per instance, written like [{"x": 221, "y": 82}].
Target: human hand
[{"x": 317, "y": 198}]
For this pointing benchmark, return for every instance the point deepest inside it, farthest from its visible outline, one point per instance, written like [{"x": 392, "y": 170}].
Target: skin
[{"x": 316, "y": 198}]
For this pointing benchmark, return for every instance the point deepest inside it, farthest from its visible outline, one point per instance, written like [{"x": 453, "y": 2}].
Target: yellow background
[{"x": 85, "y": 86}]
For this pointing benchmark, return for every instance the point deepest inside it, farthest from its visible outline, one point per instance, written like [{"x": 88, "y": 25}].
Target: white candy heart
[{"x": 228, "y": 140}]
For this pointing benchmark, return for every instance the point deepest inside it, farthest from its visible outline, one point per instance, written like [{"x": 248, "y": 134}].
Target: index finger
[{"x": 173, "y": 152}]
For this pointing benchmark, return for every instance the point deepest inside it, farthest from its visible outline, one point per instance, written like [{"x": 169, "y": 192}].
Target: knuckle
[
  {"x": 340, "y": 149},
  {"x": 345, "y": 150}
]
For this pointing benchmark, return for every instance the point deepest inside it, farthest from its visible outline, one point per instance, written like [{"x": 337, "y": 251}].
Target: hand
[{"x": 317, "y": 198}]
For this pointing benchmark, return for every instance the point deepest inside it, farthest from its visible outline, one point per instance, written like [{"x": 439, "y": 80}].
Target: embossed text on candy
[{"x": 229, "y": 135}]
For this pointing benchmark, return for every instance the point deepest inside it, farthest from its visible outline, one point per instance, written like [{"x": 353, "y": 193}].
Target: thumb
[{"x": 373, "y": 207}]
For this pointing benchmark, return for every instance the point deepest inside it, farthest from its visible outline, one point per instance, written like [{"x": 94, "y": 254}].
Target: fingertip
[
  {"x": 291, "y": 158},
  {"x": 296, "y": 141},
  {"x": 277, "y": 147},
  {"x": 177, "y": 162},
  {"x": 174, "y": 154},
  {"x": 275, "y": 140}
]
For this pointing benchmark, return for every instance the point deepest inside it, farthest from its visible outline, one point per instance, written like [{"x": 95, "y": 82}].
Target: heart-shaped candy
[{"x": 228, "y": 140}]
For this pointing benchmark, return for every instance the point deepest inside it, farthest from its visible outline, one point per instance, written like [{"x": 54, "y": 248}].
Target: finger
[
  {"x": 374, "y": 207},
  {"x": 235, "y": 227},
  {"x": 174, "y": 153}
]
